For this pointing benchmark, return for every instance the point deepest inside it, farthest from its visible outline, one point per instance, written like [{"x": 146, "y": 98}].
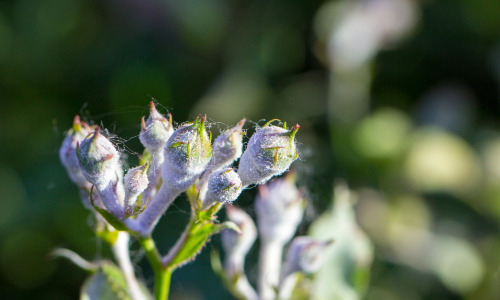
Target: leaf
[
  {"x": 108, "y": 283},
  {"x": 193, "y": 240}
]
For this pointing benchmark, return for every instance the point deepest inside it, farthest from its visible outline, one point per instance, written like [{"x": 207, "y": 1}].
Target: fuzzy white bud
[
  {"x": 67, "y": 152},
  {"x": 270, "y": 151},
  {"x": 136, "y": 181},
  {"x": 224, "y": 186},
  {"x": 228, "y": 146},
  {"x": 98, "y": 159},
  {"x": 187, "y": 154},
  {"x": 156, "y": 131},
  {"x": 279, "y": 207}
]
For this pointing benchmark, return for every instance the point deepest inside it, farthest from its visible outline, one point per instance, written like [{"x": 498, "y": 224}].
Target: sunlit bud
[
  {"x": 98, "y": 159},
  {"x": 270, "y": 152},
  {"x": 228, "y": 146},
  {"x": 136, "y": 181},
  {"x": 306, "y": 255},
  {"x": 67, "y": 152},
  {"x": 156, "y": 131},
  {"x": 223, "y": 186},
  {"x": 236, "y": 245},
  {"x": 279, "y": 207},
  {"x": 187, "y": 154}
]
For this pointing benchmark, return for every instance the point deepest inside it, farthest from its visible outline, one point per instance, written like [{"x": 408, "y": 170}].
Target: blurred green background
[{"x": 413, "y": 128}]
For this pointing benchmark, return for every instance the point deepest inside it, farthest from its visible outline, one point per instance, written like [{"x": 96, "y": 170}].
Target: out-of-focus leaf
[
  {"x": 346, "y": 271},
  {"x": 108, "y": 283}
]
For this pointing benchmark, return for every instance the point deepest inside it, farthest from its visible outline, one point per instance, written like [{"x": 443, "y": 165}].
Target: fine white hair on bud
[
  {"x": 67, "y": 152},
  {"x": 98, "y": 159},
  {"x": 224, "y": 186},
  {"x": 279, "y": 207},
  {"x": 236, "y": 245},
  {"x": 187, "y": 154},
  {"x": 156, "y": 130},
  {"x": 228, "y": 146},
  {"x": 306, "y": 255},
  {"x": 270, "y": 152},
  {"x": 136, "y": 181}
]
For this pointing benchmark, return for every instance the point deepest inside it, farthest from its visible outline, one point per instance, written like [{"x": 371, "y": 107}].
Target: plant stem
[
  {"x": 122, "y": 255},
  {"x": 269, "y": 268},
  {"x": 162, "y": 274}
]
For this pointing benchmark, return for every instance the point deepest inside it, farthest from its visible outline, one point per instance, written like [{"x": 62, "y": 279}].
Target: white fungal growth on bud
[
  {"x": 156, "y": 131},
  {"x": 279, "y": 207},
  {"x": 270, "y": 151},
  {"x": 136, "y": 181},
  {"x": 187, "y": 154},
  {"x": 224, "y": 186},
  {"x": 98, "y": 159},
  {"x": 228, "y": 146},
  {"x": 305, "y": 255},
  {"x": 67, "y": 152},
  {"x": 236, "y": 245}
]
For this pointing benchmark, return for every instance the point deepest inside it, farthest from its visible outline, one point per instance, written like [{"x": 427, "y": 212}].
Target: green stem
[{"x": 162, "y": 274}]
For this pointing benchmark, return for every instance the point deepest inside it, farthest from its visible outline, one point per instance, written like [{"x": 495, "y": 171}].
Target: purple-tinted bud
[
  {"x": 236, "y": 245},
  {"x": 224, "y": 186},
  {"x": 156, "y": 131},
  {"x": 279, "y": 207},
  {"x": 98, "y": 159},
  {"x": 187, "y": 154},
  {"x": 270, "y": 152},
  {"x": 136, "y": 181},
  {"x": 67, "y": 153},
  {"x": 228, "y": 146},
  {"x": 306, "y": 255},
  {"x": 234, "y": 242}
]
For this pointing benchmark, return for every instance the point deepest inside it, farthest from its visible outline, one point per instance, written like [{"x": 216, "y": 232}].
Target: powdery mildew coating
[
  {"x": 156, "y": 131},
  {"x": 228, "y": 146},
  {"x": 187, "y": 154},
  {"x": 270, "y": 151},
  {"x": 136, "y": 181},
  {"x": 224, "y": 186},
  {"x": 98, "y": 159}
]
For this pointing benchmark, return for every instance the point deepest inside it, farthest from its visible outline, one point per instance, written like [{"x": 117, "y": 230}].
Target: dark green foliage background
[{"x": 105, "y": 60}]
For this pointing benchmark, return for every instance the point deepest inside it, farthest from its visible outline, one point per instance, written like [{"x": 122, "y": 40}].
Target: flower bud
[
  {"x": 136, "y": 181},
  {"x": 98, "y": 159},
  {"x": 67, "y": 153},
  {"x": 223, "y": 186},
  {"x": 187, "y": 154},
  {"x": 236, "y": 245},
  {"x": 228, "y": 146},
  {"x": 270, "y": 152},
  {"x": 305, "y": 255},
  {"x": 279, "y": 207},
  {"x": 156, "y": 131}
]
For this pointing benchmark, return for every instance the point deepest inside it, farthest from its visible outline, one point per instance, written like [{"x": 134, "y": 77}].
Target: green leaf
[
  {"x": 193, "y": 240},
  {"x": 108, "y": 283}
]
